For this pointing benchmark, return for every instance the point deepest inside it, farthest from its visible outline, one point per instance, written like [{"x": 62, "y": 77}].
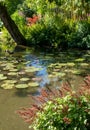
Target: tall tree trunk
[{"x": 11, "y": 26}]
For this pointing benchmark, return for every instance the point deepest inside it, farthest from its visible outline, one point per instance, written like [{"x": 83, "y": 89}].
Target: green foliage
[
  {"x": 41, "y": 35},
  {"x": 12, "y": 5},
  {"x": 66, "y": 113},
  {"x": 80, "y": 38},
  {"x": 60, "y": 109},
  {"x": 26, "y": 9},
  {"x": 58, "y": 26},
  {"x": 20, "y": 21},
  {"x": 61, "y": 35},
  {"x": 49, "y": 35},
  {"x": 61, "y": 24},
  {"x": 40, "y": 6},
  {"x": 6, "y": 42}
]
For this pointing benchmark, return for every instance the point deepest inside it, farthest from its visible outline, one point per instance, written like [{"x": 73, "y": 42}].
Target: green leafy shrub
[
  {"x": 19, "y": 19},
  {"x": 81, "y": 37},
  {"x": 6, "y": 41},
  {"x": 12, "y": 5},
  {"x": 27, "y": 11},
  {"x": 61, "y": 109},
  {"x": 55, "y": 28},
  {"x": 49, "y": 35},
  {"x": 42, "y": 35}
]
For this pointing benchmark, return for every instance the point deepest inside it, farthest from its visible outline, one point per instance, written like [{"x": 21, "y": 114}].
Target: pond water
[{"x": 25, "y": 73}]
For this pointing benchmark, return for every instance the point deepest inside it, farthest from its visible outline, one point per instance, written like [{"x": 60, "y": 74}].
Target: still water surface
[{"x": 40, "y": 68}]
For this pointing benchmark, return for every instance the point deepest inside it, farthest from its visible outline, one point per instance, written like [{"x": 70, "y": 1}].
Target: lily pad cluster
[
  {"x": 2, "y": 77},
  {"x": 60, "y": 70},
  {"x": 17, "y": 75},
  {"x": 16, "y": 72}
]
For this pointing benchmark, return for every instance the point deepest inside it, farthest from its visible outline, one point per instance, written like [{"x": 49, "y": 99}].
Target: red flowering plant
[
  {"x": 60, "y": 109},
  {"x": 32, "y": 20}
]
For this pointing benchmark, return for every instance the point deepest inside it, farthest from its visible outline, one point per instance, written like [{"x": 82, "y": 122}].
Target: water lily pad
[
  {"x": 56, "y": 69},
  {"x": 3, "y": 78},
  {"x": 10, "y": 65},
  {"x": 7, "y": 86},
  {"x": 12, "y": 73},
  {"x": 13, "y": 70},
  {"x": 6, "y": 68},
  {"x": 71, "y": 64},
  {"x": 3, "y": 64},
  {"x": 51, "y": 65},
  {"x": 21, "y": 72},
  {"x": 61, "y": 74},
  {"x": 84, "y": 64},
  {"x": 33, "y": 84},
  {"x": 62, "y": 64},
  {"x": 20, "y": 86},
  {"x": 1, "y": 75},
  {"x": 68, "y": 70},
  {"x": 80, "y": 59},
  {"x": 54, "y": 73},
  {"x": 27, "y": 62},
  {"x": 10, "y": 81},
  {"x": 52, "y": 76},
  {"x": 24, "y": 79},
  {"x": 76, "y": 71},
  {"x": 32, "y": 69}
]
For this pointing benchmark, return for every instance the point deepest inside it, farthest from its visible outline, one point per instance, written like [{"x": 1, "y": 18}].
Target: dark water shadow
[{"x": 26, "y": 92}]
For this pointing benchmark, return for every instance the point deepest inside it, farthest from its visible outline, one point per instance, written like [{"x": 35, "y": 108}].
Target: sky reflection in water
[{"x": 39, "y": 63}]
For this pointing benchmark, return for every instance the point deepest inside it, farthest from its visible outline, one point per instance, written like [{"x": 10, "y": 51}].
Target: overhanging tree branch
[{"x": 11, "y": 26}]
